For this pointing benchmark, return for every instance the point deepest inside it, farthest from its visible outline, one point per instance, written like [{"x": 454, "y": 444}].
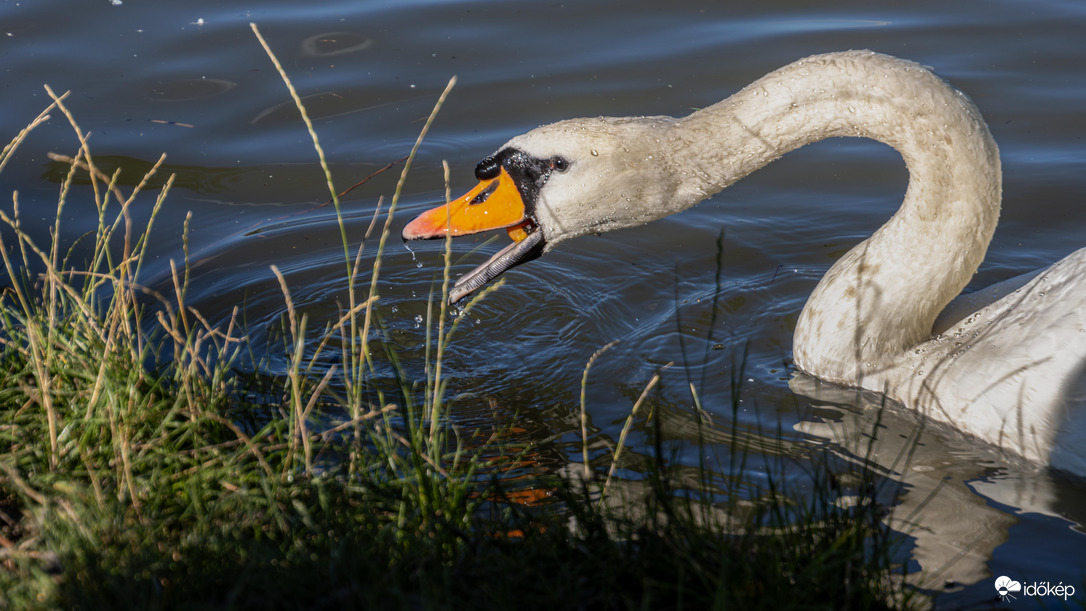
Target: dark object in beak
[
  {"x": 507, "y": 258},
  {"x": 495, "y": 203}
]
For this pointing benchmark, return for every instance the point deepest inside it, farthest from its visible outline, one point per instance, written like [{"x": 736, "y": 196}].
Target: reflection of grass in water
[{"x": 138, "y": 470}]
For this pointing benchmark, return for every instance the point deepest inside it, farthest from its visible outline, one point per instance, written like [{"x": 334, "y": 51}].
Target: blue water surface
[{"x": 697, "y": 289}]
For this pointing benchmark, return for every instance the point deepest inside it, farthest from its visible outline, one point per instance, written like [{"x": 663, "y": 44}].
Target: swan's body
[{"x": 1009, "y": 370}]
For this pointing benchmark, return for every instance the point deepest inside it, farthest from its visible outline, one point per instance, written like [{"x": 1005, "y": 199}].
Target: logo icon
[{"x": 1005, "y": 585}]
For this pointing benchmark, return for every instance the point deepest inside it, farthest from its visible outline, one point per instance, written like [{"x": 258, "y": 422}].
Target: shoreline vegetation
[{"x": 145, "y": 464}]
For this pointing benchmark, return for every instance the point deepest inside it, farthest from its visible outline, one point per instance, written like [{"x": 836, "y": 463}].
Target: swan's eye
[{"x": 560, "y": 163}]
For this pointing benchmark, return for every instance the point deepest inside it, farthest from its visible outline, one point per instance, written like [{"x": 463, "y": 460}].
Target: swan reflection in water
[{"x": 957, "y": 499}]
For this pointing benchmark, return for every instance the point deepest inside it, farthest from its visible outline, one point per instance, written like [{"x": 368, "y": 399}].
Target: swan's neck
[{"x": 882, "y": 297}]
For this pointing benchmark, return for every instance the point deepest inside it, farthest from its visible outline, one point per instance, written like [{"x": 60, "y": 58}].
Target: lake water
[{"x": 189, "y": 79}]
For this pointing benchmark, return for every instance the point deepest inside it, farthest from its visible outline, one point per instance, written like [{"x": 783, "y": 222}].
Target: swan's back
[{"x": 1012, "y": 373}]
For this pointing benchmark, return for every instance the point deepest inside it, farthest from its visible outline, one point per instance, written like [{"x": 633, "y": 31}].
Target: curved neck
[{"x": 882, "y": 297}]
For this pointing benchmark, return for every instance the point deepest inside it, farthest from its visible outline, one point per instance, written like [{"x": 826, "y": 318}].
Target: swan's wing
[
  {"x": 964, "y": 305},
  {"x": 1013, "y": 372}
]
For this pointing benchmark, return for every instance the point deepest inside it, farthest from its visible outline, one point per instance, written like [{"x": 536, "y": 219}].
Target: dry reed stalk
[
  {"x": 392, "y": 209},
  {"x": 298, "y": 429},
  {"x": 435, "y": 408},
  {"x": 43, "y": 116},
  {"x": 626, "y": 428},
  {"x": 584, "y": 407}
]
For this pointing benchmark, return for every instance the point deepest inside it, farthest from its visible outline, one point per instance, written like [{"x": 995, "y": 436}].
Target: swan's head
[{"x": 558, "y": 182}]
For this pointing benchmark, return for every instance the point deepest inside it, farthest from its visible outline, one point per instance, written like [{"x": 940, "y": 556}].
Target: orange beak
[
  {"x": 495, "y": 203},
  {"x": 492, "y": 204}
]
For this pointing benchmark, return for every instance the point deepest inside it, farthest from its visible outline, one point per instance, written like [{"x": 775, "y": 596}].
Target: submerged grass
[{"x": 137, "y": 470}]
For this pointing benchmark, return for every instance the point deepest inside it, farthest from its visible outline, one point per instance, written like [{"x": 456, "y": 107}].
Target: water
[{"x": 190, "y": 79}]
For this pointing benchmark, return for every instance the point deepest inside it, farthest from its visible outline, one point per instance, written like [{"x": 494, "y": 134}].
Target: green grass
[{"x": 141, "y": 466}]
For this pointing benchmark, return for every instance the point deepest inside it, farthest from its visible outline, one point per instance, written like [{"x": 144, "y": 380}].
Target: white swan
[{"x": 1007, "y": 366}]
